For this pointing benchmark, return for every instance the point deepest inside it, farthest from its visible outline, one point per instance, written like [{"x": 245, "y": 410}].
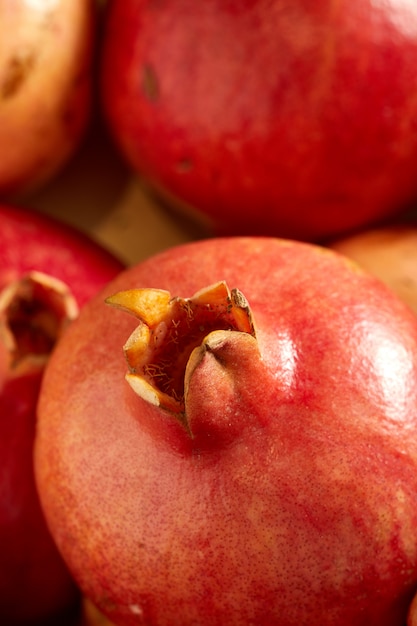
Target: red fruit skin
[
  {"x": 35, "y": 585},
  {"x": 294, "y": 501},
  {"x": 32, "y": 241},
  {"x": 4, "y": 361},
  {"x": 288, "y": 118}
]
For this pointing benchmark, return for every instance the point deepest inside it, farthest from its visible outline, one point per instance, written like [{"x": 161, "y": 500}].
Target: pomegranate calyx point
[
  {"x": 34, "y": 311},
  {"x": 158, "y": 350}
]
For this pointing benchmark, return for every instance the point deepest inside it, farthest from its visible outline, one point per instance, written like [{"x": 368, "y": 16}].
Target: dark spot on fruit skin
[
  {"x": 150, "y": 83},
  {"x": 17, "y": 70},
  {"x": 184, "y": 165}
]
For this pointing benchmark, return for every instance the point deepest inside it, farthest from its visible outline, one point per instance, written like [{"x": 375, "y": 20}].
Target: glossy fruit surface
[
  {"x": 45, "y": 87},
  {"x": 36, "y": 255},
  {"x": 279, "y": 117},
  {"x": 261, "y": 466}
]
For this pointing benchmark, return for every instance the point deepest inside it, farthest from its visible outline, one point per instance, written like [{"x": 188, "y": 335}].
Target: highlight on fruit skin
[
  {"x": 294, "y": 499},
  {"x": 161, "y": 348}
]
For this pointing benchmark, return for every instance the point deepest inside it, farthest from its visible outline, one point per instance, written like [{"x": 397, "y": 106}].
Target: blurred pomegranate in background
[
  {"x": 36, "y": 255},
  {"x": 281, "y": 117},
  {"x": 46, "y": 49},
  {"x": 390, "y": 253},
  {"x": 33, "y": 241}
]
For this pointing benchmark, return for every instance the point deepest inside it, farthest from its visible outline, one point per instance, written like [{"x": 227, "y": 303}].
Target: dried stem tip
[
  {"x": 34, "y": 311},
  {"x": 158, "y": 350}
]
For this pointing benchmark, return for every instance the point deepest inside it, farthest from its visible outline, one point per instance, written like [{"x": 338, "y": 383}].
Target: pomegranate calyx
[
  {"x": 158, "y": 350},
  {"x": 34, "y": 311}
]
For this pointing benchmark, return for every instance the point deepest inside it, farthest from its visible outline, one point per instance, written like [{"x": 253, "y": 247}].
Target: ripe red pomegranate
[
  {"x": 45, "y": 87},
  {"x": 390, "y": 253},
  {"x": 270, "y": 117},
  {"x": 261, "y": 467},
  {"x": 36, "y": 256}
]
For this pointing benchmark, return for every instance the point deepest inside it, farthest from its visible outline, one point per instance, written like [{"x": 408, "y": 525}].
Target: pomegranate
[
  {"x": 45, "y": 87},
  {"x": 390, "y": 253},
  {"x": 259, "y": 464},
  {"x": 36, "y": 256},
  {"x": 275, "y": 117},
  {"x": 33, "y": 241}
]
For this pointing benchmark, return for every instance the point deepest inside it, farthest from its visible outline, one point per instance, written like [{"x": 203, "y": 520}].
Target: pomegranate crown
[{"x": 170, "y": 329}]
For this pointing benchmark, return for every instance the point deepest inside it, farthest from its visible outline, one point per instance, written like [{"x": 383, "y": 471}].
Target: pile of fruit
[{"x": 224, "y": 433}]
